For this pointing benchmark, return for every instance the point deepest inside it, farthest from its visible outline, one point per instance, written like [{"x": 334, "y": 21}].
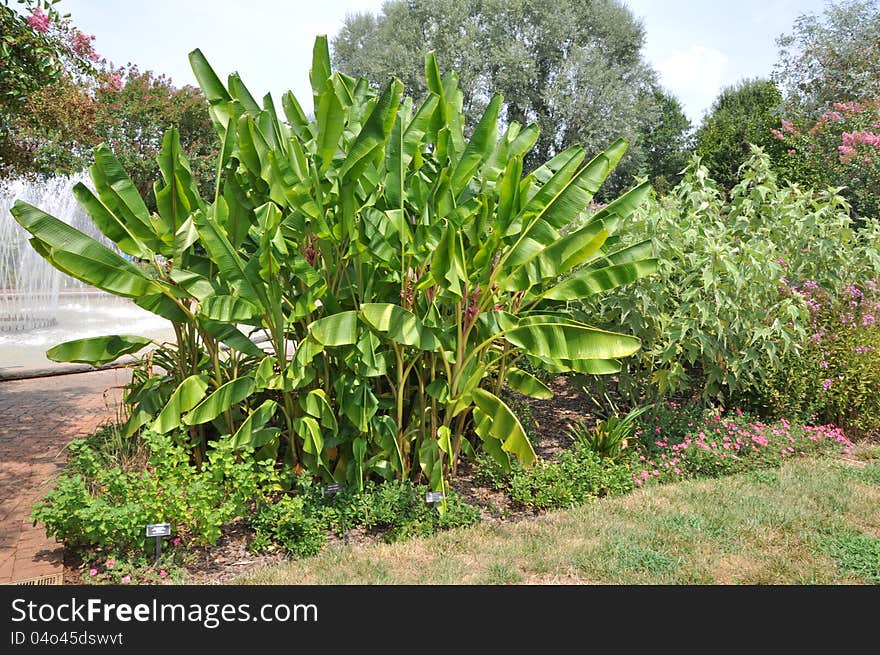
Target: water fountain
[{"x": 39, "y": 305}]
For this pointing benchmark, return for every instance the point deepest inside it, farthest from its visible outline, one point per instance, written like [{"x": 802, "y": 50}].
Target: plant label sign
[
  {"x": 159, "y": 530},
  {"x": 331, "y": 489},
  {"x": 433, "y": 496}
]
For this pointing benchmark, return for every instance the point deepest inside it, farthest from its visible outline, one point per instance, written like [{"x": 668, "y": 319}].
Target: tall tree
[
  {"x": 743, "y": 114},
  {"x": 666, "y": 141},
  {"x": 574, "y": 67},
  {"x": 831, "y": 58}
]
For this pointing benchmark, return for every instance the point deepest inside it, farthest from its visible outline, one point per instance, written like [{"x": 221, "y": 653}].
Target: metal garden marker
[
  {"x": 332, "y": 489},
  {"x": 433, "y": 497},
  {"x": 159, "y": 530}
]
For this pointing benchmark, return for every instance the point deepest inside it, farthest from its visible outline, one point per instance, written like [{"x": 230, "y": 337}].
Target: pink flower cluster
[
  {"x": 81, "y": 44},
  {"x": 39, "y": 20},
  {"x": 850, "y": 107},
  {"x": 731, "y": 439},
  {"x": 851, "y": 141}
]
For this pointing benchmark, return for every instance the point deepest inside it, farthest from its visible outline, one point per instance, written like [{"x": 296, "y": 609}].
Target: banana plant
[{"x": 400, "y": 268}]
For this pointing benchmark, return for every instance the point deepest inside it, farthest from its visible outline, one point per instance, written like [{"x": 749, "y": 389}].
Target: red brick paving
[{"x": 38, "y": 418}]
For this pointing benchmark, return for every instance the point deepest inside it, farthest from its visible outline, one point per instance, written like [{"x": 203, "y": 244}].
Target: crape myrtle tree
[
  {"x": 574, "y": 67},
  {"x": 40, "y": 50},
  {"x": 403, "y": 273},
  {"x": 59, "y": 99}
]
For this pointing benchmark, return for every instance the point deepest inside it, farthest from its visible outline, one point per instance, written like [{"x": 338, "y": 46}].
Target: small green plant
[
  {"x": 610, "y": 436},
  {"x": 396, "y": 509},
  {"x": 288, "y": 524},
  {"x": 579, "y": 476},
  {"x": 102, "y": 502}
]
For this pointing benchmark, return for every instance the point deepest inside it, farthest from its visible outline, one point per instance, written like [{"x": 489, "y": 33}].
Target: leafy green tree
[
  {"x": 666, "y": 141},
  {"x": 832, "y": 58},
  {"x": 743, "y": 114},
  {"x": 573, "y": 67}
]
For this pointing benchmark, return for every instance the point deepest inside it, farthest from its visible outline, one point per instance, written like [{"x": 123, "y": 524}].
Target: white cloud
[{"x": 696, "y": 76}]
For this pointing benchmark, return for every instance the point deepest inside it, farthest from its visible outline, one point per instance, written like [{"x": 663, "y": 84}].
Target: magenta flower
[
  {"x": 826, "y": 384},
  {"x": 126, "y": 579},
  {"x": 163, "y": 573},
  {"x": 110, "y": 563},
  {"x": 93, "y": 572},
  {"x": 39, "y": 20}
]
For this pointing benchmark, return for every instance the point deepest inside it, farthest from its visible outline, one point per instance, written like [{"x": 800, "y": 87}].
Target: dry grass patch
[{"x": 763, "y": 527}]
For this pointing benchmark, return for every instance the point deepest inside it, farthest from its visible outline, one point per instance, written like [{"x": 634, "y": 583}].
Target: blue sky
[{"x": 698, "y": 47}]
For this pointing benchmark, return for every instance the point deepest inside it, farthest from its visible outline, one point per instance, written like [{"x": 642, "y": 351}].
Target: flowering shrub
[
  {"x": 837, "y": 376},
  {"x": 724, "y": 443},
  {"x": 841, "y": 148}
]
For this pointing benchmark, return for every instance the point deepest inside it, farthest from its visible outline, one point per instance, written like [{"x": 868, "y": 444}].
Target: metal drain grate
[{"x": 54, "y": 579}]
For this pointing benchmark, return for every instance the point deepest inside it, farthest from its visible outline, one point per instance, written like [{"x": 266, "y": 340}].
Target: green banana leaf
[
  {"x": 223, "y": 398},
  {"x": 97, "y": 350},
  {"x": 187, "y": 395},
  {"x": 503, "y": 425}
]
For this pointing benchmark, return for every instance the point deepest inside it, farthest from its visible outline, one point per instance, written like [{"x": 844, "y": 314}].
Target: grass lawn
[{"x": 810, "y": 522}]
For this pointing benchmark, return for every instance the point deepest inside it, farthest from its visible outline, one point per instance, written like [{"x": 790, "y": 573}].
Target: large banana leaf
[
  {"x": 187, "y": 395},
  {"x": 570, "y": 341},
  {"x": 503, "y": 425},
  {"x": 251, "y": 426},
  {"x": 224, "y": 397},
  {"x": 375, "y": 131},
  {"x": 80, "y": 255},
  {"x": 527, "y": 384},
  {"x": 336, "y": 330},
  {"x": 592, "y": 281},
  {"x": 97, "y": 350},
  {"x": 399, "y": 325}
]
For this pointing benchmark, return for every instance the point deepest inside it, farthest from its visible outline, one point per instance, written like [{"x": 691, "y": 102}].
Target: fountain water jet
[
  {"x": 40, "y": 306},
  {"x": 29, "y": 286}
]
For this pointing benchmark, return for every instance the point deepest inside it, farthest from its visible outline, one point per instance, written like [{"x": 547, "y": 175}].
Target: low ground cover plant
[{"x": 723, "y": 443}]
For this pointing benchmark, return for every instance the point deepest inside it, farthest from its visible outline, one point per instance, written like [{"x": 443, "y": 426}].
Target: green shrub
[
  {"x": 396, "y": 509},
  {"x": 288, "y": 524},
  {"x": 578, "y": 477},
  {"x": 99, "y": 503},
  {"x": 717, "y": 317}
]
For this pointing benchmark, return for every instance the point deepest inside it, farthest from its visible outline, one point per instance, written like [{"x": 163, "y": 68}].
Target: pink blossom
[
  {"x": 39, "y": 20},
  {"x": 115, "y": 81},
  {"x": 163, "y": 573},
  {"x": 110, "y": 563},
  {"x": 826, "y": 384},
  {"x": 126, "y": 579},
  {"x": 93, "y": 572},
  {"x": 777, "y": 134}
]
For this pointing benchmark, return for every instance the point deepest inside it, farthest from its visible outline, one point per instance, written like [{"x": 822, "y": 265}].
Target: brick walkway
[{"x": 38, "y": 418}]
